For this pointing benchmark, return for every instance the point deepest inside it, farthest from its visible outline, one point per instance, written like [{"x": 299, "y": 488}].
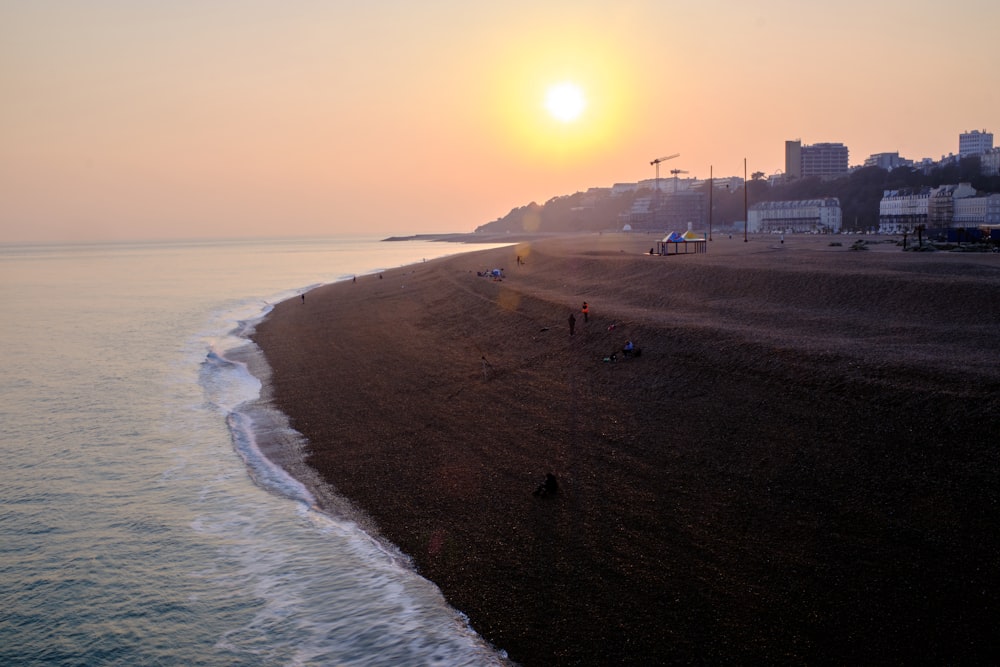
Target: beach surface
[{"x": 801, "y": 466}]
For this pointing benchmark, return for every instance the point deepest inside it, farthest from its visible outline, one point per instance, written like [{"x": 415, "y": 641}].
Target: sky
[{"x": 133, "y": 120}]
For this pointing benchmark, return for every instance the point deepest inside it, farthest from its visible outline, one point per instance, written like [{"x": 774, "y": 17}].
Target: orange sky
[{"x": 129, "y": 120}]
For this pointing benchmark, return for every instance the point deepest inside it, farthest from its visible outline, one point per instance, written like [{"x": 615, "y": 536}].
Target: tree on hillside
[
  {"x": 902, "y": 178},
  {"x": 727, "y": 204},
  {"x": 859, "y": 195},
  {"x": 565, "y": 213}
]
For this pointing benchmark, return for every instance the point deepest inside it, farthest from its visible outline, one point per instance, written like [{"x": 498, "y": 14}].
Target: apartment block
[
  {"x": 974, "y": 143},
  {"x": 941, "y": 205},
  {"x": 887, "y": 161},
  {"x": 825, "y": 160},
  {"x": 902, "y": 210}
]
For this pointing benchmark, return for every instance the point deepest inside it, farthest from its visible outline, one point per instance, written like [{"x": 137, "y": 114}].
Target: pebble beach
[{"x": 800, "y": 467}]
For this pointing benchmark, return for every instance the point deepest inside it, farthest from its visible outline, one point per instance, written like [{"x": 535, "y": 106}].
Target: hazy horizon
[{"x": 132, "y": 121}]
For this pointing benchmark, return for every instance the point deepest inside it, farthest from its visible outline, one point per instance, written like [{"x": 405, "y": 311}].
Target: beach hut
[{"x": 676, "y": 243}]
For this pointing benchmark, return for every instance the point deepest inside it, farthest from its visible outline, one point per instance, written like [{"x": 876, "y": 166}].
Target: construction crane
[
  {"x": 675, "y": 172},
  {"x": 657, "y": 162}
]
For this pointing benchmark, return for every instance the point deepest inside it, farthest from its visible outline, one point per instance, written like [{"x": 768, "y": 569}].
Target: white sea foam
[
  {"x": 132, "y": 531},
  {"x": 261, "y": 469}
]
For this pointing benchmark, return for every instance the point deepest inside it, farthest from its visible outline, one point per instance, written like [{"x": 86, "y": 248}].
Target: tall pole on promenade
[
  {"x": 746, "y": 220},
  {"x": 711, "y": 187}
]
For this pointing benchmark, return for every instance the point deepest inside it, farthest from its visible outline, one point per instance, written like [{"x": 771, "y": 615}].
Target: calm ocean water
[{"x": 139, "y": 524}]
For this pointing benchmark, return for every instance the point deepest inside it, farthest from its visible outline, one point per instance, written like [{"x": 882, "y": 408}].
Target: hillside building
[
  {"x": 666, "y": 211},
  {"x": 887, "y": 161},
  {"x": 941, "y": 205},
  {"x": 624, "y": 188},
  {"x": 902, "y": 210},
  {"x": 793, "y": 159},
  {"x": 974, "y": 143},
  {"x": 993, "y": 211},
  {"x": 810, "y": 215},
  {"x": 826, "y": 160},
  {"x": 948, "y": 206},
  {"x": 969, "y": 211}
]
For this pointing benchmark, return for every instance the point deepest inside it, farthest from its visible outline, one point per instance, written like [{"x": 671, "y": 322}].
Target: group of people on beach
[
  {"x": 585, "y": 310},
  {"x": 629, "y": 349}
]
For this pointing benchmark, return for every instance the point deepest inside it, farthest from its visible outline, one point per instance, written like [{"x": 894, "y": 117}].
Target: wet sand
[{"x": 801, "y": 467}]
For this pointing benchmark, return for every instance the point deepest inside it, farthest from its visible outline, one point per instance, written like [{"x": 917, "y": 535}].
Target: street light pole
[
  {"x": 746, "y": 219},
  {"x": 711, "y": 187}
]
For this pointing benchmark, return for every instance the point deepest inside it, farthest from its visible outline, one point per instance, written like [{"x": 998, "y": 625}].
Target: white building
[
  {"x": 730, "y": 183},
  {"x": 641, "y": 209},
  {"x": 992, "y": 210},
  {"x": 887, "y": 161},
  {"x": 946, "y": 206},
  {"x": 941, "y": 205},
  {"x": 809, "y": 215},
  {"x": 974, "y": 143},
  {"x": 624, "y": 188},
  {"x": 969, "y": 212},
  {"x": 902, "y": 210}
]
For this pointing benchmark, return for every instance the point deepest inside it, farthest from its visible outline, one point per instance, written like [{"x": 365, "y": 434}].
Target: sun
[
  {"x": 570, "y": 101},
  {"x": 565, "y": 101}
]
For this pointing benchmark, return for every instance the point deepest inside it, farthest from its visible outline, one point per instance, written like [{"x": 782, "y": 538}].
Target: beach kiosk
[{"x": 676, "y": 243}]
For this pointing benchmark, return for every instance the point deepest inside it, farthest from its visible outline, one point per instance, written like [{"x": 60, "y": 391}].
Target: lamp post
[
  {"x": 711, "y": 187},
  {"x": 746, "y": 219}
]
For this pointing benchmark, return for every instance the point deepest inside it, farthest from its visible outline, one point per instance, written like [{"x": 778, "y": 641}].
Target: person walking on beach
[
  {"x": 586, "y": 312},
  {"x": 572, "y": 323}
]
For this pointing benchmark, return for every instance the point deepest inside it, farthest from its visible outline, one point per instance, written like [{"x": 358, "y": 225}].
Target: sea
[{"x": 140, "y": 523}]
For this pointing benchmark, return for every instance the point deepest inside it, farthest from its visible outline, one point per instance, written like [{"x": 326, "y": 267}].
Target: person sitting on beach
[
  {"x": 548, "y": 487},
  {"x": 630, "y": 350}
]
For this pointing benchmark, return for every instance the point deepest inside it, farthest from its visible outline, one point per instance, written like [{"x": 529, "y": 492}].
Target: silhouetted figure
[
  {"x": 548, "y": 487},
  {"x": 303, "y": 298},
  {"x": 586, "y": 312},
  {"x": 572, "y": 324}
]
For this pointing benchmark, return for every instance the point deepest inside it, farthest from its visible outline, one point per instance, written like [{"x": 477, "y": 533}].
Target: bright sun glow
[
  {"x": 565, "y": 102},
  {"x": 561, "y": 104}
]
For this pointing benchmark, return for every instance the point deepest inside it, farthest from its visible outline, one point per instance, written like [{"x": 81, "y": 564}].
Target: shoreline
[
  {"x": 475, "y": 238},
  {"x": 798, "y": 409}
]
